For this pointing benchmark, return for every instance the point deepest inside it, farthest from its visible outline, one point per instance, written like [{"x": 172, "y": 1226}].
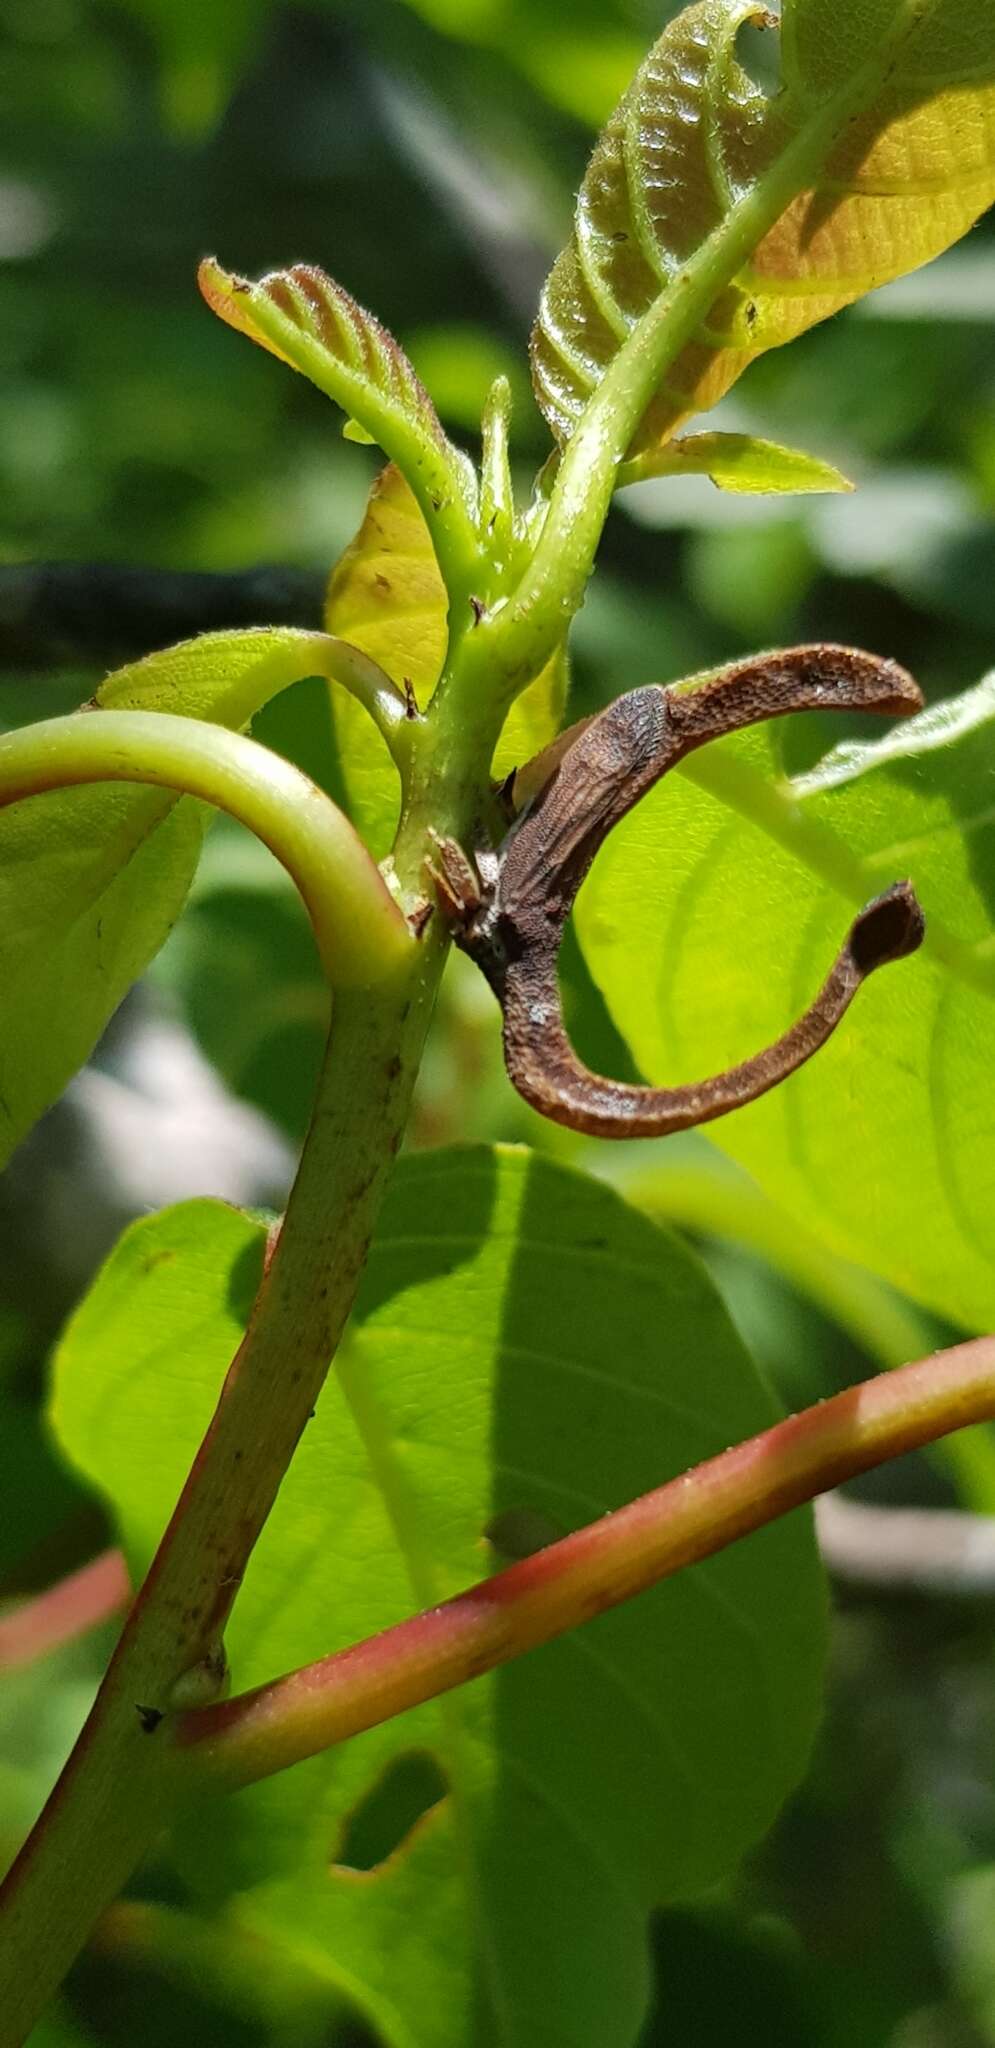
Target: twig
[{"x": 573, "y": 1580}]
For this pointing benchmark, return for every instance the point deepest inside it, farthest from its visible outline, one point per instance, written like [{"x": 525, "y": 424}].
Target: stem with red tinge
[{"x": 244, "y": 1739}]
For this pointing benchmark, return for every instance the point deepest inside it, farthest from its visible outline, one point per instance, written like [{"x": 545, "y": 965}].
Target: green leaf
[
  {"x": 92, "y": 880},
  {"x": 715, "y": 223},
  {"x": 386, "y": 597},
  {"x": 709, "y": 920},
  {"x": 526, "y": 1353},
  {"x": 736, "y": 462},
  {"x": 310, "y": 322},
  {"x": 225, "y": 677}
]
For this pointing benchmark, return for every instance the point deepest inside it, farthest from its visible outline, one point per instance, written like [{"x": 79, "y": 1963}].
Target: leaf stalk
[{"x": 362, "y": 935}]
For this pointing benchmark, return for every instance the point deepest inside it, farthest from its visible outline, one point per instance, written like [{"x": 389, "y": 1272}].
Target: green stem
[
  {"x": 245, "y": 1739},
  {"x": 361, "y": 933},
  {"x": 122, "y": 1784}
]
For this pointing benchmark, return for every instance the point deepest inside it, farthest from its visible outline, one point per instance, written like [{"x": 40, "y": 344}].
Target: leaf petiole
[{"x": 362, "y": 935}]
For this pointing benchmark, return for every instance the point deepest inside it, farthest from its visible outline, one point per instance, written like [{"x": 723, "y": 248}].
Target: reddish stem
[
  {"x": 95, "y": 1593},
  {"x": 597, "y": 1567}
]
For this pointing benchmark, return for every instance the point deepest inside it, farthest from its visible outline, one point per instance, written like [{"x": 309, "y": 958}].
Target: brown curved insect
[{"x": 509, "y": 911}]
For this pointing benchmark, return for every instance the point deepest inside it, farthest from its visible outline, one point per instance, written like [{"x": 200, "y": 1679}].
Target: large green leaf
[
  {"x": 876, "y": 154},
  {"x": 709, "y": 920},
  {"x": 386, "y": 596},
  {"x": 91, "y": 880},
  {"x": 528, "y": 1348}
]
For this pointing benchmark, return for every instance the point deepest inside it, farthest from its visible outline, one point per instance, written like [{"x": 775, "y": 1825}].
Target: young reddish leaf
[
  {"x": 310, "y": 322},
  {"x": 733, "y": 222}
]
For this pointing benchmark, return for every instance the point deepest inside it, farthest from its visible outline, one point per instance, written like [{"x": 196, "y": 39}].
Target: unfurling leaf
[
  {"x": 736, "y": 462},
  {"x": 715, "y": 223},
  {"x": 386, "y": 597},
  {"x": 310, "y": 322}
]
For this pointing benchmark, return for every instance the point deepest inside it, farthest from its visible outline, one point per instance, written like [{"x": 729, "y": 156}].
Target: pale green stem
[
  {"x": 497, "y": 505},
  {"x": 122, "y": 1784},
  {"x": 362, "y": 935}
]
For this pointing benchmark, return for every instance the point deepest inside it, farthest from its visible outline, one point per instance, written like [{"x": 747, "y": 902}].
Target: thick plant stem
[
  {"x": 121, "y": 1784},
  {"x": 596, "y": 1568}
]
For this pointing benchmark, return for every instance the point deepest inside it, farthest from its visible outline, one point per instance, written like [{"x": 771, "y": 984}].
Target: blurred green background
[{"x": 426, "y": 154}]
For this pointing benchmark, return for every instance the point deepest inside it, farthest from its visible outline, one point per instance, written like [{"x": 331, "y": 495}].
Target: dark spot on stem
[{"x": 149, "y": 1717}]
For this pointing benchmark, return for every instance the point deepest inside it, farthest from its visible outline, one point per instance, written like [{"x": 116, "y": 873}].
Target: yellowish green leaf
[
  {"x": 731, "y": 221},
  {"x": 736, "y": 462},
  {"x": 386, "y": 597}
]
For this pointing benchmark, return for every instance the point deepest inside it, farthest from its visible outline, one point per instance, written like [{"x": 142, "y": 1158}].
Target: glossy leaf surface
[
  {"x": 877, "y": 153},
  {"x": 526, "y": 1352},
  {"x": 386, "y": 596},
  {"x": 709, "y": 922}
]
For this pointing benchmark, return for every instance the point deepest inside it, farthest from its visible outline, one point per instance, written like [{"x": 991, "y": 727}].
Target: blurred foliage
[{"x": 427, "y": 154}]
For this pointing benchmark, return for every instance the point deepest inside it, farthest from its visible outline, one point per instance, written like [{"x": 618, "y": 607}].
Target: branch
[
  {"x": 923, "y": 1551},
  {"x": 596, "y": 1568},
  {"x": 99, "y": 614}
]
